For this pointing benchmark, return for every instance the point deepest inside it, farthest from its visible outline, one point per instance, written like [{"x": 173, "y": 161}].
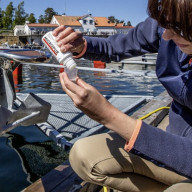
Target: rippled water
[
  {"x": 46, "y": 80},
  {"x": 26, "y": 153}
]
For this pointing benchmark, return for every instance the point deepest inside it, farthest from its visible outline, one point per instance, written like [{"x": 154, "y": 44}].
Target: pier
[
  {"x": 64, "y": 179},
  {"x": 66, "y": 124}
]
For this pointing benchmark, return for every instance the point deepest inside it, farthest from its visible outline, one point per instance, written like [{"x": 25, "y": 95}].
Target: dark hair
[{"x": 173, "y": 14}]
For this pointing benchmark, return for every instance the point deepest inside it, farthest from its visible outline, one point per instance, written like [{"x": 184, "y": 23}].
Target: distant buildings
[{"x": 32, "y": 33}]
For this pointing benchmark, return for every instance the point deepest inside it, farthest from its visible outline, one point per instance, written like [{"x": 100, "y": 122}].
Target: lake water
[{"x": 26, "y": 153}]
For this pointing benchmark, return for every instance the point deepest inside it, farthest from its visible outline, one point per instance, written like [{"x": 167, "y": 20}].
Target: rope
[
  {"x": 104, "y": 189},
  {"x": 149, "y": 114}
]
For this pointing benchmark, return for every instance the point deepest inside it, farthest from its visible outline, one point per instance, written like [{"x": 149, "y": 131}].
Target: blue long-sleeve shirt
[{"x": 173, "y": 148}]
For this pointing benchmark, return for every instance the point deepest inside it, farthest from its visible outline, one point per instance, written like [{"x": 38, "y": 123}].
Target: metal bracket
[{"x": 31, "y": 111}]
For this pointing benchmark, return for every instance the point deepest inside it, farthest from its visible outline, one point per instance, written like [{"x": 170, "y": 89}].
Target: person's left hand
[
  {"x": 87, "y": 98},
  {"x": 96, "y": 106}
]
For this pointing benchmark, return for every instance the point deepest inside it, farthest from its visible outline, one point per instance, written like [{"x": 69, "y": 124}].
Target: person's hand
[
  {"x": 87, "y": 98},
  {"x": 69, "y": 40},
  {"x": 96, "y": 106}
]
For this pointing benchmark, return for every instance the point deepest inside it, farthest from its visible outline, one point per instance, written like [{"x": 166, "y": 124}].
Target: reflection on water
[
  {"x": 26, "y": 153},
  {"x": 46, "y": 80}
]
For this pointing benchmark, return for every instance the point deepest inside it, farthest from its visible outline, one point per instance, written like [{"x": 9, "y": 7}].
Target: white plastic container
[{"x": 63, "y": 58}]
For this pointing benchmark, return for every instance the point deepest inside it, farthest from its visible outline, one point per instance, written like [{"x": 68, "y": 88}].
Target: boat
[{"x": 6, "y": 46}]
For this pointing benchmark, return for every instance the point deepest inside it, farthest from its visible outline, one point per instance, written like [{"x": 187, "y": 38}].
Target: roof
[
  {"x": 123, "y": 27},
  {"x": 68, "y": 20},
  {"x": 42, "y": 25},
  {"x": 119, "y": 24},
  {"x": 74, "y": 20},
  {"x": 103, "y": 22}
]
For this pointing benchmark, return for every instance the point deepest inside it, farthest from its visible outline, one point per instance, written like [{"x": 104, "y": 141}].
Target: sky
[{"x": 127, "y": 10}]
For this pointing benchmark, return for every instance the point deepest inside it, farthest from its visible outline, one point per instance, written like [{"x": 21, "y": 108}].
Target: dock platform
[
  {"x": 66, "y": 123},
  {"x": 63, "y": 178}
]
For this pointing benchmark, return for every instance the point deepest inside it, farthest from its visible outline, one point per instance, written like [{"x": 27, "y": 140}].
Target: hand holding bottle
[{"x": 69, "y": 40}]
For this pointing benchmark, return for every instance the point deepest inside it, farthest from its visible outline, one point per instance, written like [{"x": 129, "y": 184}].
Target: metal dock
[
  {"x": 64, "y": 179},
  {"x": 66, "y": 123}
]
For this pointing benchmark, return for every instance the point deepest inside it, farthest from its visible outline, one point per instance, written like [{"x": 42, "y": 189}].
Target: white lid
[{"x": 67, "y": 60}]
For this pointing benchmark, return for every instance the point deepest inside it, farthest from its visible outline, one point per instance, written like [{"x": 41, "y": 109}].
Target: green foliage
[
  {"x": 20, "y": 15},
  {"x": 41, "y": 19},
  {"x": 8, "y": 16},
  {"x": 129, "y": 23},
  {"x": 1, "y": 17},
  {"x": 17, "y": 16},
  {"x": 112, "y": 19},
  {"x": 49, "y": 12},
  {"x": 31, "y": 18}
]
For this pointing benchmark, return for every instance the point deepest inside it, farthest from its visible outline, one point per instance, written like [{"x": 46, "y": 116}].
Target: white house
[
  {"x": 121, "y": 29},
  {"x": 18, "y": 30},
  {"x": 31, "y": 33},
  {"x": 88, "y": 24}
]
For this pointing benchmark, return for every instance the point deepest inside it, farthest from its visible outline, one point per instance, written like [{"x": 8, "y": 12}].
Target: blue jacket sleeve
[
  {"x": 166, "y": 149},
  {"x": 139, "y": 40}
]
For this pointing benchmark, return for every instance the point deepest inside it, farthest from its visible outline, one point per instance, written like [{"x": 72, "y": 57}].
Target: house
[
  {"x": 87, "y": 24},
  {"x": 90, "y": 25},
  {"x": 121, "y": 29},
  {"x": 31, "y": 33}
]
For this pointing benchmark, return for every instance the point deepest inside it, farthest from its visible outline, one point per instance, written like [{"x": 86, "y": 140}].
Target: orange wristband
[
  {"x": 82, "y": 52},
  {"x": 129, "y": 144}
]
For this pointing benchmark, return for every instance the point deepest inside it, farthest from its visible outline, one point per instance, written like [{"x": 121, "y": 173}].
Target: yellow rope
[
  {"x": 104, "y": 189},
  {"x": 145, "y": 116},
  {"x": 141, "y": 118}
]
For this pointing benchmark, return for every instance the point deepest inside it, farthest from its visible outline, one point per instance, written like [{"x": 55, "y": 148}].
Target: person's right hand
[{"x": 69, "y": 40}]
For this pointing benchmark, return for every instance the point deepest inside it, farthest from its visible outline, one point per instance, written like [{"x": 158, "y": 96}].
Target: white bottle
[{"x": 63, "y": 58}]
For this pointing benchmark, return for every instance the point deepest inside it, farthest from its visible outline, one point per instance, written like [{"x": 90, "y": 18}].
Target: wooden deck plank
[
  {"x": 163, "y": 100},
  {"x": 163, "y": 124},
  {"x": 62, "y": 174},
  {"x": 63, "y": 177}
]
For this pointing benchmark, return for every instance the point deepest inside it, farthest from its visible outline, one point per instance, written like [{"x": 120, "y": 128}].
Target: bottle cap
[
  {"x": 67, "y": 60},
  {"x": 70, "y": 63}
]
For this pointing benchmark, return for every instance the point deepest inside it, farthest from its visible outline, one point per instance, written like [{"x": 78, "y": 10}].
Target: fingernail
[{"x": 63, "y": 49}]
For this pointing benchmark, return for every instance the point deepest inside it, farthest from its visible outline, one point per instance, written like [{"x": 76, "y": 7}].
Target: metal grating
[{"x": 70, "y": 121}]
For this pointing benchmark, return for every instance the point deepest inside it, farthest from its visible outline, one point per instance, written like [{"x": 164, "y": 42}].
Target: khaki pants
[{"x": 101, "y": 159}]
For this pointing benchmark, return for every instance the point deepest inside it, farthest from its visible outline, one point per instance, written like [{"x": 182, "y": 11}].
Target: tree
[
  {"x": 129, "y": 23},
  {"x": 49, "y": 12},
  {"x": 41, "y": 19},
  {"x": 20, "y": 15},
  {"x": 1, "y": 18},
  {"x": 31, "y": 18},
  {"x": 111, "y": 19},
  {"x": 8, "y": 16}
]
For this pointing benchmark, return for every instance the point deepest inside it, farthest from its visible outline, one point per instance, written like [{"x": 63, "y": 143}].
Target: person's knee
[
  {"x": 185, "y": 186},
  {"x": 78, "y": 158}
]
